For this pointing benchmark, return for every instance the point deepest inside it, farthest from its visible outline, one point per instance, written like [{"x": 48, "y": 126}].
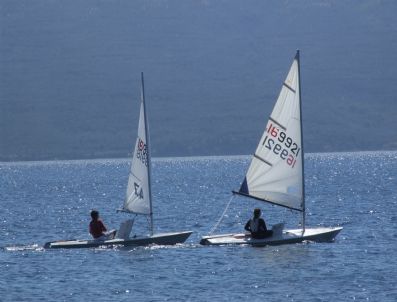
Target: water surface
[{"x": 43, "y": 201}]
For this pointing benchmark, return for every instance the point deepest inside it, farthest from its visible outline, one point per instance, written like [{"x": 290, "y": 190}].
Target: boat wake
[
  {"x": 154, "y": 247},
  {"x": 23, "y": 248}
]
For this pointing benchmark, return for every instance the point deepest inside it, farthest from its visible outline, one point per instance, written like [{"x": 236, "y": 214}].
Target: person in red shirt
[{"x": 98, "y": 229}]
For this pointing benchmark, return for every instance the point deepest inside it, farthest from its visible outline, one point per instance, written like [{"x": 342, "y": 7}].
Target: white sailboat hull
[
  {"x": 158, "y": 239},
  {"x": 320, "y": 234}
]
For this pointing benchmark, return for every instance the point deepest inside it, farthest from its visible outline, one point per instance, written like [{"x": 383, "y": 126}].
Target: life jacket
[{"x": 254, "y": 225}]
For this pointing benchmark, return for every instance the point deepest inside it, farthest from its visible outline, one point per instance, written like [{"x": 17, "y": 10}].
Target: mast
[
  {"x": 148, "y": 154},
  {"x": 303, "y": 153}
]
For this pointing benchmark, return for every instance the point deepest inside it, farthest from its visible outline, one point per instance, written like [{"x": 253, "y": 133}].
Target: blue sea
[{"x": 45, "y": 201}]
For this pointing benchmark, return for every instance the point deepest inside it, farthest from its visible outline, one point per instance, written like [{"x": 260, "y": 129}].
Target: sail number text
[
  {"x": 138, "y": 190},
  {"x": 282, "y": 145},
  {"x": 141, "y": 152}
]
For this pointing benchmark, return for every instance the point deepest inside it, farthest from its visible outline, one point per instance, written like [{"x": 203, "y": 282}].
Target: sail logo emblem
[
  {"x": 138, "y": 190},
  {"x": 141, "y": 152},
  {"x": 141, "y": 145}
]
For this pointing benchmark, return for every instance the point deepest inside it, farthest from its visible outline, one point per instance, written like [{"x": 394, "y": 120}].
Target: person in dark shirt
[
  {"x": 257, "y": 226},
  {"x": 98, "y": 229}
]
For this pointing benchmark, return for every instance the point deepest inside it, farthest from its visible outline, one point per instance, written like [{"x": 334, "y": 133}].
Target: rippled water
[{"x": 45, "y": 201}]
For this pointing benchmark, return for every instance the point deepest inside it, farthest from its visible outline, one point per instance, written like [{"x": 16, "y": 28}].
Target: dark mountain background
[{"x": 70, "y": 75}]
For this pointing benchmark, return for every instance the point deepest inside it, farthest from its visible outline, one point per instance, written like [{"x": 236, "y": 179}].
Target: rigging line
[
  {"x": 221, "y": 218},
  {"x": 266, "y": 200},
  {"x": 148, "y": 220}
]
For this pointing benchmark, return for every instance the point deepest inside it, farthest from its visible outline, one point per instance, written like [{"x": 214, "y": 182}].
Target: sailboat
[
  {"x": 276, "y": 172},
  {"x": 138, "y": 199}
]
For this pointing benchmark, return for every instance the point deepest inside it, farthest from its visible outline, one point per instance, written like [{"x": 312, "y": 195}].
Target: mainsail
[
  {"x": 138, "y": 198},
  {"x": 276, "y": 170}
]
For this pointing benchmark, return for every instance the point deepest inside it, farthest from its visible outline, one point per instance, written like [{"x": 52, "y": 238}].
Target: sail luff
[{"x": 148, "y": 154}]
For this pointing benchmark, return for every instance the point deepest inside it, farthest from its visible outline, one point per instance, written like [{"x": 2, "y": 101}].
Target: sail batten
[
  {"x": 263, "y": 160},
  {"x": 275, "y": 173},
  {"x": 277, "y": 123},
  {"x": 289, "y": 87}
]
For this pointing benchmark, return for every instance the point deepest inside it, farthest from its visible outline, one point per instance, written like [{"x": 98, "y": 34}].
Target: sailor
[
  {"x": 98, "y": 229},
  {"x": 257, "y": 226}
]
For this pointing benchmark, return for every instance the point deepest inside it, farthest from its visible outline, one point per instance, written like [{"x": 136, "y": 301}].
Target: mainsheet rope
[{"x": 221, "y": 218}]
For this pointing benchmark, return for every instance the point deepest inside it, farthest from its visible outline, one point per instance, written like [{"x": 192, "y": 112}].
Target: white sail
[
  {"x": 138, "y": 198},
  {"x": 275, "y": 174}
]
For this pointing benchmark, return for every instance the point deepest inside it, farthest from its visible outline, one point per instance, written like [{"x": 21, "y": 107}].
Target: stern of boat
[{"x": 204, "y": 240}]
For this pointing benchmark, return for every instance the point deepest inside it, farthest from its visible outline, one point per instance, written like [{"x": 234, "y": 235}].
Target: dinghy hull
[
  {"x": 158, "y": 239},
  {"x": 322, "y": 234}
]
